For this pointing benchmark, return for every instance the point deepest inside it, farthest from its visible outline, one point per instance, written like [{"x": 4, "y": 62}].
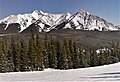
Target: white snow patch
[
  {"x": 106, "y": 73},
  {"x": 82, "y": 20}
]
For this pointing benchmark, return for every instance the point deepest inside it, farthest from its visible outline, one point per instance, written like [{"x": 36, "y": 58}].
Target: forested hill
[{"x": 49, "y": 52}]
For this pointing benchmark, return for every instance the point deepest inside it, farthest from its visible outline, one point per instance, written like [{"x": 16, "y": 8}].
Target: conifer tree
[
  {"x": 10, "y": 59},
  {"x": 5, "y": 58},
  {"x": 1, "y": 57},
  {"x": 85, "y": 59},
  {"x": 118, "y": 51},
  {"x": 39, "y": 50},
  {"x": 52, "y": 54},
  {"x": 32, "y": 51},
  {"x": 64, "y": 60},
  {"x": 102, "y": 58},
  {"x": 107, "y": 56},
  {"x": 71, "y": 53},
  {"x": 25, "y": 61},
  {"x": 80, "y": 56},
  {"x": 13, "y": 53},
  {"x": 58, "y": 52},
  {"x": 93, "y": 57},
  {"x": 45, "y": 52},
  {"x": 76, "y": 58},
  {"x": 0, "y": 54},
  {"x": 18, "y": 59}
]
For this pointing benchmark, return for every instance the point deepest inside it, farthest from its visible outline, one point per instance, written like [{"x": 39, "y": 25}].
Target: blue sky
[{"x": 107, "y": 9}]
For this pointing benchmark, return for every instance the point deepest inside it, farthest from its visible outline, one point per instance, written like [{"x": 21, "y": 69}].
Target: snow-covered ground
[{"x": 106, "y": 73}]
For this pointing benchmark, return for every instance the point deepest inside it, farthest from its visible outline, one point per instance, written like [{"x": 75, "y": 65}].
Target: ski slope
[{"x": 106, "y": 73}]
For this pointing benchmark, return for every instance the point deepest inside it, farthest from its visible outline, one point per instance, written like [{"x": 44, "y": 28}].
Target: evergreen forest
[{"x": 38, "y": 54}]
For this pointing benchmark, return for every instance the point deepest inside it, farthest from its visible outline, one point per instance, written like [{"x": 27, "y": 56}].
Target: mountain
[
  {"x": 46, "y": 22},
  {"x": 118, "y": 26}
]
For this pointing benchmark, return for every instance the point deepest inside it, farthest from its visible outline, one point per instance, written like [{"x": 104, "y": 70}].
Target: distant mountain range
[{"x": 45, "y": 22}]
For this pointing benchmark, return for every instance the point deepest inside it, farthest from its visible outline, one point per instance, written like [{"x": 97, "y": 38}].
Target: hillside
[
  {"x": 89, "y": 38},
  {"x": 84, "y": 38}
]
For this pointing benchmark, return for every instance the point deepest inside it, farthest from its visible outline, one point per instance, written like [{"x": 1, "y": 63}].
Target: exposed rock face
[{"x": 41, "y": 21}]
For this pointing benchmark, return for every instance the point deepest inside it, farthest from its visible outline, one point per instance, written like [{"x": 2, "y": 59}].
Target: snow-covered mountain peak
[
  {"x": 43, "y": 13},
  {"x": 35, "y": 11},
  {"x": 118, "y": 26},
  {"x": 81, "y": 20},
  {"x": 39, "y": 12},
  {"x": 68, "y": 15},
  {"x": 82, "y": 11}
]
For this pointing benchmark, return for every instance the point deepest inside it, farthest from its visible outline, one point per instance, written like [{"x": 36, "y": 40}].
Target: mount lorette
[{"x": 44, "y": 22}]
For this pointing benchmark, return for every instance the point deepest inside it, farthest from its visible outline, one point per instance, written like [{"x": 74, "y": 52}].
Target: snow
[
  {"x": 83, "y": 20},
  {"x": 106, "y": 73},
  {"x": 118, "y": 26}
]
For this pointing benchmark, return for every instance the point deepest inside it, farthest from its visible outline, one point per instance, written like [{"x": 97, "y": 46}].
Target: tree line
[{"x": 38, "y": 54}]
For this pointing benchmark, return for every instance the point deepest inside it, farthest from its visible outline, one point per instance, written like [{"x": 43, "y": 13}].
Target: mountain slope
[
  {"x": 26, "y": 20},
  {"x": 87, "y": 21},
  {"x": 118, "y": 26},
  {"x": 46, "y": 22}
]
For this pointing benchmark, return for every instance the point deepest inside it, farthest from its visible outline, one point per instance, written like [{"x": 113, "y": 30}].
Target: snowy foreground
[{"x": 107, "y": 73}]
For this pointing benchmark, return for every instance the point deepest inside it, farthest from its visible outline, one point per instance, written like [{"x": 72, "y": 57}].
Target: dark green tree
[
  {"x": 5, "y": 54},
  {"x": 45, "y": 51},
  {"x": 39, "y": 50},
  {"x": 93, "y": 57},
  {"x": 13, "y": 53},
  {"x": 64, "y": 58},
  {"x": 25, "y": 61},
  {"x": 32, "y": 52},
  {"x": 76, "y": 57},
  {"x": 58, "y": 53},
  {"x": 52, "y": 54},
  {"x": 71, "y": 53},
  {"x": 2, "y": 67}
]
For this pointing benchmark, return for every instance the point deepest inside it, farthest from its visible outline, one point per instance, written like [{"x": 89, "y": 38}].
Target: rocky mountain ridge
[{"x": 45, "y": 22}]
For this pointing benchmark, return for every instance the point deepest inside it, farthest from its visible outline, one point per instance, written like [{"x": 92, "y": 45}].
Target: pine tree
[
  {"x": 32, "y": 52},
  {"x": 45, "y": 52},
  {"x": 71, "y": 53},
  {"x": 85, "y": 59},
  {"x": 25, "y": 61},
  {"x": 58, "y": 53},
  {"x": 80, "y": 57},
  {"x": 10, "y": 59},
  {"x": 102, "y": 58},
  {"x": 76, "y": 58},
  {"x": 118, "y": 51},
  {"x": 18, "y": 57},
  {"x": 13, "y": 53},
  {"x": 2, "y": 68},
  {"x": 5, "y": 53},
  {"x": 114, "y": 53},
  {"x": 107, "y": 56},
  {"x": 2, "y": 57},
  {"x": 39, "y": 50},
  {"x": 52, "y": 54},
  {"x": 93, "y": 57},
  {"x": 64, "y": 60}
]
